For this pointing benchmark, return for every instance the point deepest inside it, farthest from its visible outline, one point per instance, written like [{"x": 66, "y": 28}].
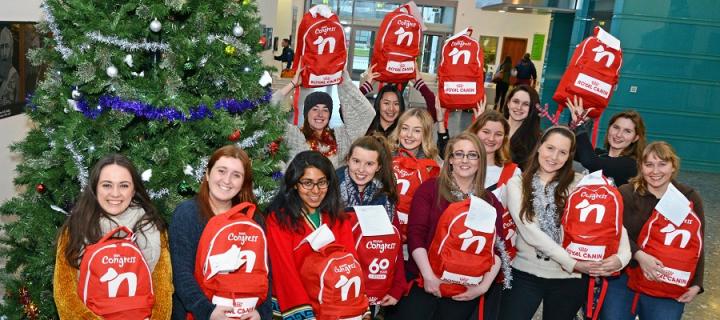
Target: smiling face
[
  {"x": 318, "y": 117},
  {"x": 411, "y": 132},
  {"x": 389, "y": 107},
  {"x": 657, "y": 173},
  {"x": 225, "y": 181},
  {"x": 621, "y": 134},
  {"x": 462, "y": 166},
  {"x": 115, "y": 189},
  {"x": 519, "y": 106},
  {"x": 491, "y": 135},
  {"x": 553, "y": 153},
  {"x": 363, "y": 164},
  {"x": 313, "y": 197}
]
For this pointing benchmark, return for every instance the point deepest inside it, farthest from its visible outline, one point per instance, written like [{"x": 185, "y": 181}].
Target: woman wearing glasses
[
  {"x": 308, "y": 197},
  {"x": 542, "y": 270},
  {"x": 462, "y": 175}
]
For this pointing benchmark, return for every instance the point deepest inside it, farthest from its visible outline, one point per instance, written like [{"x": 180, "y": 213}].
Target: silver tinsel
[
  {"x": 200, "y": 169},
  {"x": 60, "y": 47},
  {"x": 546, "y": 212},
  {"x": 262, "y": 195},
  {"x": 229, "y": 40},
  {"x": 78, "y": 158},
  {"x": 252, "y": 140},
  {"x": 58, "y": 209},
  {"x": 504, "y": 262},
  {"x": 127, "y": 45},
  {"x": 158, "y": 194}
]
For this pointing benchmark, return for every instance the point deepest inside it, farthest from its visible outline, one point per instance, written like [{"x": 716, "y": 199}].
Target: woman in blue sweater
[{"x": 226, "y": 183}]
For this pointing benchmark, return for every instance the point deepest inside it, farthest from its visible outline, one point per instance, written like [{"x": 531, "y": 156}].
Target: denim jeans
[{"x": 619, "y": 300}]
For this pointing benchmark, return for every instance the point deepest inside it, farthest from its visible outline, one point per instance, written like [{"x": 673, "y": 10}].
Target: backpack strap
[
  {"x": 247, "y": 207},
  {"x": 129, "y": 234},
  {"x": 406, "y": 153},
  {"x": 506, "y": 173},
  {"x": 296, "y": 109}
]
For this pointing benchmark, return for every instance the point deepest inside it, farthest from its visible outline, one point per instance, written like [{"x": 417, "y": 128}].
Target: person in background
[
  {"x": 390, "y": 104},
  {"x": 227, "y": 182},
  {"x": 524, "y": 120},
  {"x": 526, "y": 73},
  {"x": 624, "y": 142},
  {"x": 287, "y": 54},
  {"x": 502, "y": 82},
  {"x": 114, "y": 197}
]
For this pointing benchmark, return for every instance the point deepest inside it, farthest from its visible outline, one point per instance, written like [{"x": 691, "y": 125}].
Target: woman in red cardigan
[{"x": 308, "y": 197}]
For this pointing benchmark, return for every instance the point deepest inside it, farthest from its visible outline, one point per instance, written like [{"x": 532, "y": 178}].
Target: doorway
[
  {"x": 515, "y": 48},
  {"x": 360, "y": 52}
]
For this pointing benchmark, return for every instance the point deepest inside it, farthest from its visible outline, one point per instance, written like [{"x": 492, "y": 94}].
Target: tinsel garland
[
  {"x": 252, "y": 140},
  {"x": 504, "y": 262},
  {"x": 158, "y": 194},
  {"x": 60, "y": 47},
  {"x": 78, "y": 158},
  {"x": 200, "y": 171},
  {"x": 277, "y": 175},
  {"x": 150, "y": 112},
  {"x": 228, "y": 40},
  {"x": 127, "y": 45},
  {"x": 546, "y": 214}
]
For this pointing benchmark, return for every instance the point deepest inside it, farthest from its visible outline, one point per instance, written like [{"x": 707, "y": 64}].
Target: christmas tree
[{"x": 165, "y": 82}]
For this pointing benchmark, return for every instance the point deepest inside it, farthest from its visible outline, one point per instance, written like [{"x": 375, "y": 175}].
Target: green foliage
[{"x": 194, "y": 70}]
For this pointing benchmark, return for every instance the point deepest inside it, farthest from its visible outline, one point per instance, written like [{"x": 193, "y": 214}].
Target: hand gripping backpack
[
  {"x": 592, "y": 72},
  {"x": 410, "y": 173},
  {"x": 461, "y": 79},
  {"x": 333, "y": 279},
  {"x": 678, "y": 247},
  {"x": 115, "y": 281},
  {"x": 460, "y": 252},
  {"x": 231, "y": 264},
  {"x": 592, "y": 227},
  {"x": 320, "y": 48},
  {"x": 378, "y": 256},
  {"x": 397, "y": 44}
]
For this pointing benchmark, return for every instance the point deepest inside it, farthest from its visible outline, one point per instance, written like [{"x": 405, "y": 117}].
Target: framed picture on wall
[
  {"x": 18, "y": 77},
  {"x": 489, "y": 45}
]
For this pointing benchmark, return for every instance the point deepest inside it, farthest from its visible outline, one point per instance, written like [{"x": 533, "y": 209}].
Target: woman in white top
[{"x": 542, "y": 270}]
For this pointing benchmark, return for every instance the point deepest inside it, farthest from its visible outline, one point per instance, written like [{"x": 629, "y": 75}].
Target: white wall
[
  {"x": 505, "y": 24},
  {"x": 20, "y": 10}
]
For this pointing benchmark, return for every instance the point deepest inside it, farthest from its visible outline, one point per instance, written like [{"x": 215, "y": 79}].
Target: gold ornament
[{"x": 230, "y": 50}]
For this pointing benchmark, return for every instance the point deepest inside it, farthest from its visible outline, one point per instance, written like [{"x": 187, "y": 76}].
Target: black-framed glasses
[
  {"x": 309, "y": 184},
  {"x": 469, "y": 155}
]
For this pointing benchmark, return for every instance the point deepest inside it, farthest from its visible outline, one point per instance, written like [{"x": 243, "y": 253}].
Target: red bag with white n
[
  {"x": 461, "y": 81},
  {"x": 397, "y": 44},
  {"x": 320, "y": 48}
]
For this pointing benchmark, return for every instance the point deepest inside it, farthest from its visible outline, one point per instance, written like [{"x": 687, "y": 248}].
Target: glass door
[
  {"x": 431, "y": 52},
  {"x": 360, "y": 50}
]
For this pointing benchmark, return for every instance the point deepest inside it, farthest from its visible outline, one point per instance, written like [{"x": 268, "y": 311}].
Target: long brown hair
[
  {"x": 83, "y": 224},
  {"x": 445, "y": 180},
  {"x": 502, "y": 155},
  {"x": 428, "y": 144},
  {"x": 664, "y": 151},
  {"x": 564, "y": 176},
  {"x": 635, "y": 149},
  {"x": 246, "y": 191},
  {"x": 379, "y": 144}
]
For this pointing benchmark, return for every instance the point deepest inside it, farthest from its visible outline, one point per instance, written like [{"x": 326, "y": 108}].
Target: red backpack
[
  {"x": 397, "y": 44},
  {"x": 677, "y": 247},
  {"x": 592, "y": 73},
  {"x": 115, "y": 281},
  {"x": 461, "y": 81},
  {"x": 333, "y": 279},
  {"x": 320, "y": 48},
  {"x": 508, "y": 224},
  {"x": 378, "y": 257},
  {"x": 458, "y": 254},
  {"x": 410, "y": 173},
  {"x": 231, "y": 264},
  {"x": 593, "y": 219}
]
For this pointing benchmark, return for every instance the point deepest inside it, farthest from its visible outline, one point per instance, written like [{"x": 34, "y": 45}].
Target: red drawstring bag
[
  {"x": 410, "y": 173},
  {"x": 397, "y": 44},
  {"x": 461, "y": 80}
]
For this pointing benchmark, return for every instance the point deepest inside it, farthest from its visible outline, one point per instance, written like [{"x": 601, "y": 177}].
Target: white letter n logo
[
  {"x": 586, "y": 208},
  {"x": 321, "y": 42},
  {"x": 344, "y": 284}
]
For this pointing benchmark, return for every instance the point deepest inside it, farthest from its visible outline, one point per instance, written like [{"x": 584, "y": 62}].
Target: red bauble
[
  {"x": 40, "y": 188},
  {"x": 273, "y": 148},
  {"x": 234, "y": 136}
]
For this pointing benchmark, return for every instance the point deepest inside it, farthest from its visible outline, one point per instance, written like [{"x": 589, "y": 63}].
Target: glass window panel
[
  {"x": 489, "y": 45},
  {"x": 430, "y": 58},
  {"x": 362, "y": 50}
]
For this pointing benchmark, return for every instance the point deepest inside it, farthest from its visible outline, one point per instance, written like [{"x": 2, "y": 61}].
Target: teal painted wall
[
  {"x": 671, "y": 52},
  {"x": 556, "y": 55}
]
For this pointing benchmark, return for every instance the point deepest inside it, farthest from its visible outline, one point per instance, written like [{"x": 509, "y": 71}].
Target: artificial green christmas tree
[{"x": 165, "y": 82}]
